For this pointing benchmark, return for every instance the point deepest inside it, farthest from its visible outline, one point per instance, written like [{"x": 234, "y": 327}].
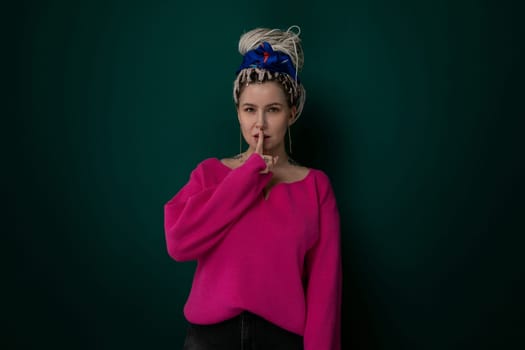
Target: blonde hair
[{"x": 287, "y": 42}]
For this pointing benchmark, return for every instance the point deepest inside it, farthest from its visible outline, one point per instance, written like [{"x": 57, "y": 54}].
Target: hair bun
[{"x": 287, "y": 42}]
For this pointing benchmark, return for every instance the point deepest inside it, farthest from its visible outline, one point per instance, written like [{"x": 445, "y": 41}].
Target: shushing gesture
[{"x": 269, "y": 160}]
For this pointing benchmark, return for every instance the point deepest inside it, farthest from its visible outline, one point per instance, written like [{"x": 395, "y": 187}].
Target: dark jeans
[{"x": 244, "y": 332}]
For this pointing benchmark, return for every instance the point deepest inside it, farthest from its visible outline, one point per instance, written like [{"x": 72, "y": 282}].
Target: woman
[{"x": 264, "y": 230}]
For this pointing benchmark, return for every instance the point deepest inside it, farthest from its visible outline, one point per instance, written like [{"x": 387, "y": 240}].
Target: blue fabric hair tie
[{"x": 266, "y": 58}]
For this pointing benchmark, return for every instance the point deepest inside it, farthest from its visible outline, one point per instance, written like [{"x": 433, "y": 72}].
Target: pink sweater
[{"x": 277, "y": 257}]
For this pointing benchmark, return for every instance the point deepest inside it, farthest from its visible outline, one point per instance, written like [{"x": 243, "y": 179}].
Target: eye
[
  {"x": 249, "y": 110},
  {"x": 273, "y": 109}
]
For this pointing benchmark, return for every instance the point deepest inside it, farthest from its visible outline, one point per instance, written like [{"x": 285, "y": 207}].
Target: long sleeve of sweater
[
  {"x": 324, "y": 284},
  {"x": 198, "y": 216}
]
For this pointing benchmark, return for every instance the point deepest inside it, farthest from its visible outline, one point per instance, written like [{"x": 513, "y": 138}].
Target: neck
[{"x": 283, "y": 156}]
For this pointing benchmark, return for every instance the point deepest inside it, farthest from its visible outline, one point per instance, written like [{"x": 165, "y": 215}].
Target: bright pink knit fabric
[{"x": 278, "y": 257}]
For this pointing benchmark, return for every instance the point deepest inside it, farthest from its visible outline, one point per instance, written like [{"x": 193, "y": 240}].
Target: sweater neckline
[{"x": 310, "y": 170}]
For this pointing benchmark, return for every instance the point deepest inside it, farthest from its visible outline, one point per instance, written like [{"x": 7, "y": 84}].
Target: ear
[{"x": 292, "y": 115}]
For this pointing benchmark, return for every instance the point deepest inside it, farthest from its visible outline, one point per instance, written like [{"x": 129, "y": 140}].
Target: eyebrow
[{"x": 247, "y": 104}]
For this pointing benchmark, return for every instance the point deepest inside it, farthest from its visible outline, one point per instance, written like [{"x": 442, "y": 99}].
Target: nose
[{"x": 260, "y": 123}]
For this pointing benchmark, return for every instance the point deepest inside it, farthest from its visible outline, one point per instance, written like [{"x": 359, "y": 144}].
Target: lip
[{"x": 257, "y": 136}]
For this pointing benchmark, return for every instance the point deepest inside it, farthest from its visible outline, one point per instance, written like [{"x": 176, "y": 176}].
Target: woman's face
[{"x": 264, "y": 106}]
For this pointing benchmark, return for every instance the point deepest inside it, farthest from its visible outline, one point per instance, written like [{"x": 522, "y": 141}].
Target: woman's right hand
[{"x": 269, "y": 160}]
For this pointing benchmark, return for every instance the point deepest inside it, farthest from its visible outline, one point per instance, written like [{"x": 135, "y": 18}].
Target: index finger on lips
[{"x": 260, "y": 141}]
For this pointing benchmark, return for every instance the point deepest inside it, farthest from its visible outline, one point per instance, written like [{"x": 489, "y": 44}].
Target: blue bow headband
[{"x": 266, "y": 58}]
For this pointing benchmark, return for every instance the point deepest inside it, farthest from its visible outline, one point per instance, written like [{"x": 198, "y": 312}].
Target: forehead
[{"x": 263, "y": 93}]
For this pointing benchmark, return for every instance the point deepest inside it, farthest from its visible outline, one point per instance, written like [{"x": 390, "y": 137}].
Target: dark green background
[{"x": 414, "y": 110}]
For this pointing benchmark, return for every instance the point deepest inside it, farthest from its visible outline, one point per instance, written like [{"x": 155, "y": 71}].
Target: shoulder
[
  {"x": 208, "y": 163},
  {"x": 313, "y": 177},
  {"x": 321, "y": 178},
  {"x": 323, "y": 184},
  {"x": 318, "y": 174},
  {"x": 209, "y": 167}
]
